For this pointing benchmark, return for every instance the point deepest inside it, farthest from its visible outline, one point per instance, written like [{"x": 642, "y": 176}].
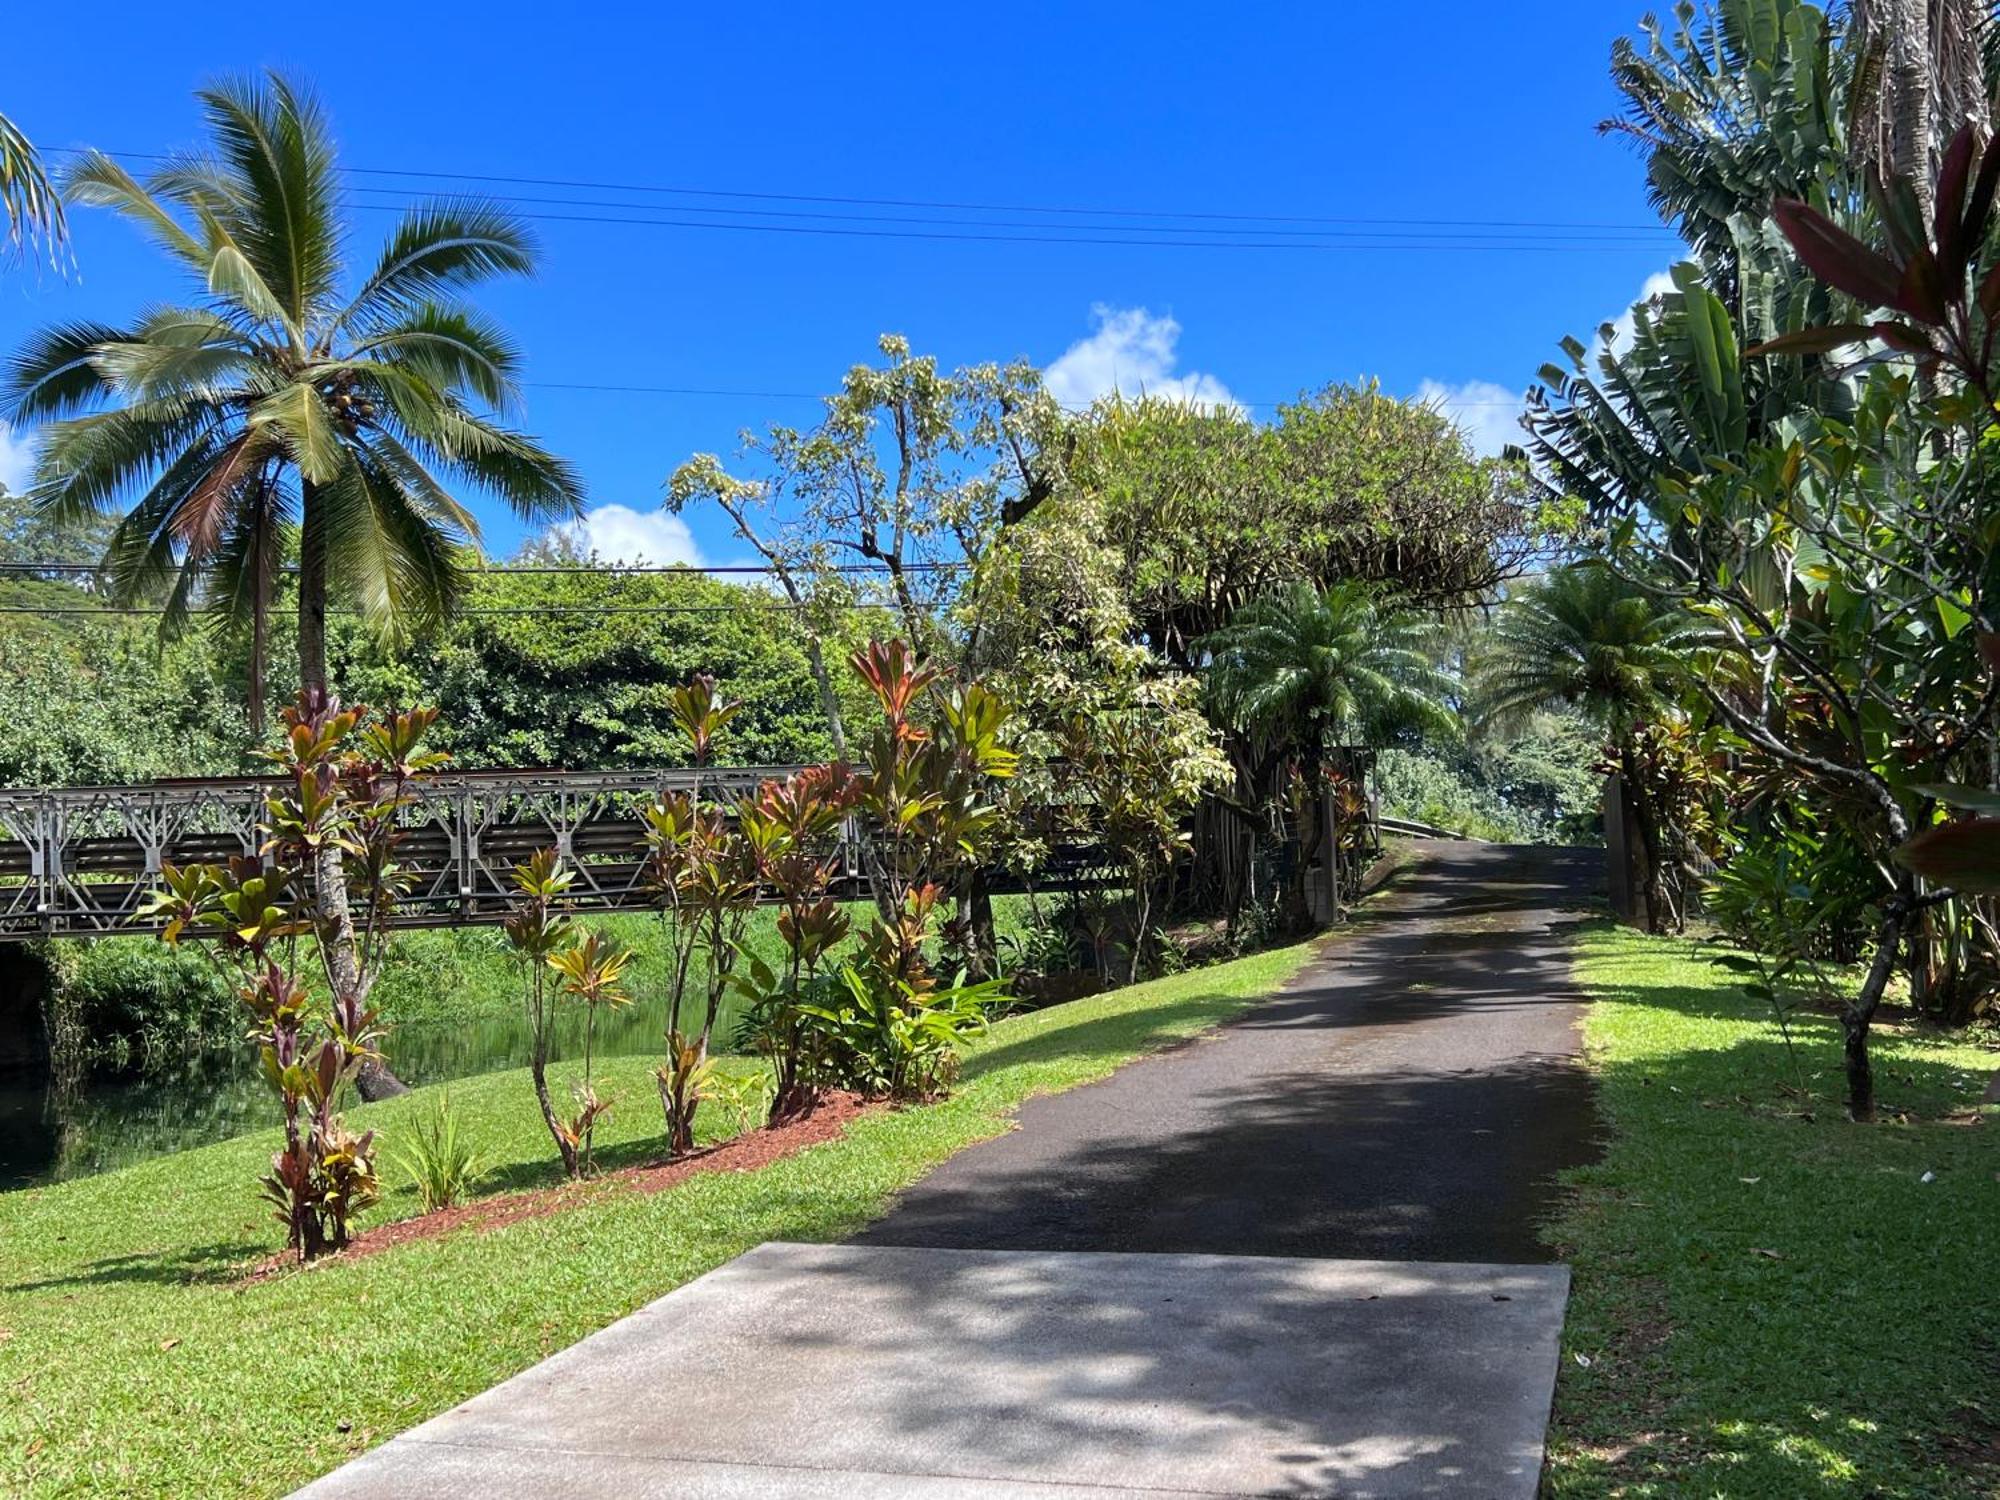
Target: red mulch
[{"x": 743, "y": 1153}]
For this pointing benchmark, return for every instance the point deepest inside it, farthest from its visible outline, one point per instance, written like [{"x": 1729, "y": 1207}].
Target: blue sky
[{"x": 1446, "y": 111}]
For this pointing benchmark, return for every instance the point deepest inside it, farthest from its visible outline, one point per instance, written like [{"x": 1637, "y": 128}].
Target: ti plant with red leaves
[
  {"x": 924, "y": 794},
  {"x": 331, "y": 826},
  {"x": 704, "y": 884},
  {"x": 792, "y": 829},
  {"x": 923, "y": 799},
  {"x": 1962, "y": 853},
  {"x": 1941, "y": 306},
  {"x": 562, "y": 962}
]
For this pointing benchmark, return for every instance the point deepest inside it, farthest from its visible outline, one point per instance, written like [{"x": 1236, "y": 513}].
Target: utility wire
[
  {"x": 935, "y": 204},
  {"x": 1635, "y": 236},
  {"x": 1556, "y": 248}
]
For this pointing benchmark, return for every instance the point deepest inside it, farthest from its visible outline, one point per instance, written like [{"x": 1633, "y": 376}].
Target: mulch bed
[{"x": 743, "y": 1153}]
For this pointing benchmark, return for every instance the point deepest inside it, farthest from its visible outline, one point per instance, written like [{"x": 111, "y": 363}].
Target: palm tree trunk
[
  {"x": 312, "y": 593},
  {"x": 335, "y": 918},
  {"x": 260, "y": 610}
]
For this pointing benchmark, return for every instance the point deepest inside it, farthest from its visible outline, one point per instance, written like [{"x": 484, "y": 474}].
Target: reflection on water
[{"x": 49, "y": 1133}]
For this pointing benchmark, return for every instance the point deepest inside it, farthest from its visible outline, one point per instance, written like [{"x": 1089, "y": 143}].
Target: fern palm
[
  {"x": 284, "y": 408},
  {"x": 34, "y": 207},
  {"x": 1300, "y": 668},
  {"x": 1584, "y": 637}
]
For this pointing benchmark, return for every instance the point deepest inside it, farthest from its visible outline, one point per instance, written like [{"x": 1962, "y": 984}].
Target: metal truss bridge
[{"x": 80, "y": 861}]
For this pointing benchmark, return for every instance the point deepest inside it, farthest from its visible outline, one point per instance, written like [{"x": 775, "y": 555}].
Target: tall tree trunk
[
  {"x": 260, "y": 623},
  {"x": 334, "y": 918},
  {"x": 1659, "y": 912}
]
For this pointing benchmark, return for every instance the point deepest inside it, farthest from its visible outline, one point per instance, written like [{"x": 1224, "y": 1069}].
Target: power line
[
  {"x": 1066, "y": 210},
  {"x": 1634, "y": 236},
  {"x": 1036, "y": 239}
]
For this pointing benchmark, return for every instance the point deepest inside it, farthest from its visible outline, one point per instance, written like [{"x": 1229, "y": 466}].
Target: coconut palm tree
[
  {"x": 1582, "y": 636},
  {"x": 286, "y": 409},
  {"x": 1301, "y": 670},
  {"x": 34, "y": 208}
]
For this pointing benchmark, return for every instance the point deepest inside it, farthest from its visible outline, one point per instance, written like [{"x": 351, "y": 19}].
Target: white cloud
[
  {"x": 1487, "y": 413},
  {"x": 1132, "y": 352},
  {"x": 17, "y": 460},
  {"x": 1657, "y": 285},
  {"x": 618, "y": 533}
]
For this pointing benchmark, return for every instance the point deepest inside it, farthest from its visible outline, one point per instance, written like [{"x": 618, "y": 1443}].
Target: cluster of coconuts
[{"x": 351, "y": 409}]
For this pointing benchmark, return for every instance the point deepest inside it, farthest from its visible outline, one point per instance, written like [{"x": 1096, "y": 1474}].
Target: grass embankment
[
  {"x": 1773, "y": 1305},
  {"x": 134, "y": 1360}
]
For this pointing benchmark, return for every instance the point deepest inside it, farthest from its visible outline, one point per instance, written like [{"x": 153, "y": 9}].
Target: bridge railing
[{"x": 80, "y": 861}]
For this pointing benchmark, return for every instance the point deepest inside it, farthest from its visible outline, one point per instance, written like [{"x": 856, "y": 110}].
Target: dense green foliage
[
  {"x": 1771, "y": 1304},
  {"x": 1793, "y": 453},
  {"x": 138, "y": 1363},
  {"x": 106, "y": 704},
  {"x": 1207, "y": 510},
  {"x": 1532, "y": 782},
  {"x": 579, "y": 672}
]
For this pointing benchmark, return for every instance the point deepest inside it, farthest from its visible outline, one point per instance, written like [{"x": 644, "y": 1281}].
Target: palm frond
[
  {"x": 297, "y": 416},
  {"x": 440, "y": 248},
  {"x": 449, "y": 349},
  {"x": 52, "y": 375},
  {"x": 34, "y": 207},
  {"x": 273, "y": 137},
  {"x": 96, "y": 179},
  {"x": 84, "y": 464}
]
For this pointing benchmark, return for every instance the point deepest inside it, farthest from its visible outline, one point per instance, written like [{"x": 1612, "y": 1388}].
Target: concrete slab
[{"x": 806, "y": 1371}]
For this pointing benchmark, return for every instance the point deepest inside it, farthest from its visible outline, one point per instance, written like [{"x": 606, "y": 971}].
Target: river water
[{"x": 114, "y": 1119}]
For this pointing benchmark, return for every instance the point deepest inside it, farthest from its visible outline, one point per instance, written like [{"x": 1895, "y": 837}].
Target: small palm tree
[
  {"x": 284, "y": 409},
  {"x": 1584, "y": 637},
  {"x": 34, "y": 208},
  {"x": 1301, "y": 670}
]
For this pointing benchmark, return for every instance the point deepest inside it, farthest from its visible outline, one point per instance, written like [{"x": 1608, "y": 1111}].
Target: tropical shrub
[
  {"x": 703, "y": 876},
  {"x": 331, "y": 830},
  {"x": 438, "y": 1160},
  {"x": 558, "y": 962},
  {"x": 792, "y": 828},
  {"x": 592, "y": 973}
]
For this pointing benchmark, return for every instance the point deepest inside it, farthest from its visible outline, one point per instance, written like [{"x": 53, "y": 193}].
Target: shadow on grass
[
  {"x": 189, "y": 1265},
  {"x": 1773, "y": 1300}
]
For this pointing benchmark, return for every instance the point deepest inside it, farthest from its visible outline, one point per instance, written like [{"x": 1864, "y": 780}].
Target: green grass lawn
[
  {"x": 133, "y": 1361},
  {"x": 1771, "y": 1306}
]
